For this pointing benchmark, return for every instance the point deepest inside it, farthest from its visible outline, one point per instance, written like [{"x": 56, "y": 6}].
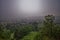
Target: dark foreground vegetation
[{"x": 47, "y": 30}]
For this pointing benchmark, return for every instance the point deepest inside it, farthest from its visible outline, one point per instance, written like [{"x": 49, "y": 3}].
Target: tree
[{"x": 48, "y": 25}]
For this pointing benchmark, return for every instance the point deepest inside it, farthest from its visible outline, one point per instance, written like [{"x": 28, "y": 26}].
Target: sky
[{"x": 24, "y": 8}]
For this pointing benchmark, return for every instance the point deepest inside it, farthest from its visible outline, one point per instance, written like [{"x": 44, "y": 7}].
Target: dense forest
[{"x": 47, "y": 30}]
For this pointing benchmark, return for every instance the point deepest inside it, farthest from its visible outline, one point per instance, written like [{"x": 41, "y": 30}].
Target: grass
[{"x": 30, "y": 36}]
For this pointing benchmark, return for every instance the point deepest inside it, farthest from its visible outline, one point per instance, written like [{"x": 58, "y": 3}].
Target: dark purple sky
[{"x": 10, "y": 8}]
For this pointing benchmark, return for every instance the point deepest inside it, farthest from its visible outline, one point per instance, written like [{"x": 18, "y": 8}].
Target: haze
[{"x": 27, "y": 8}]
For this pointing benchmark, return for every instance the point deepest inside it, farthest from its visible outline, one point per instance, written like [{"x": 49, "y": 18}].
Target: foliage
[
  {"x": 30, "y": 36},
  {"x": 47, "y": 30},
  {"x": 24, "y": 30}
]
